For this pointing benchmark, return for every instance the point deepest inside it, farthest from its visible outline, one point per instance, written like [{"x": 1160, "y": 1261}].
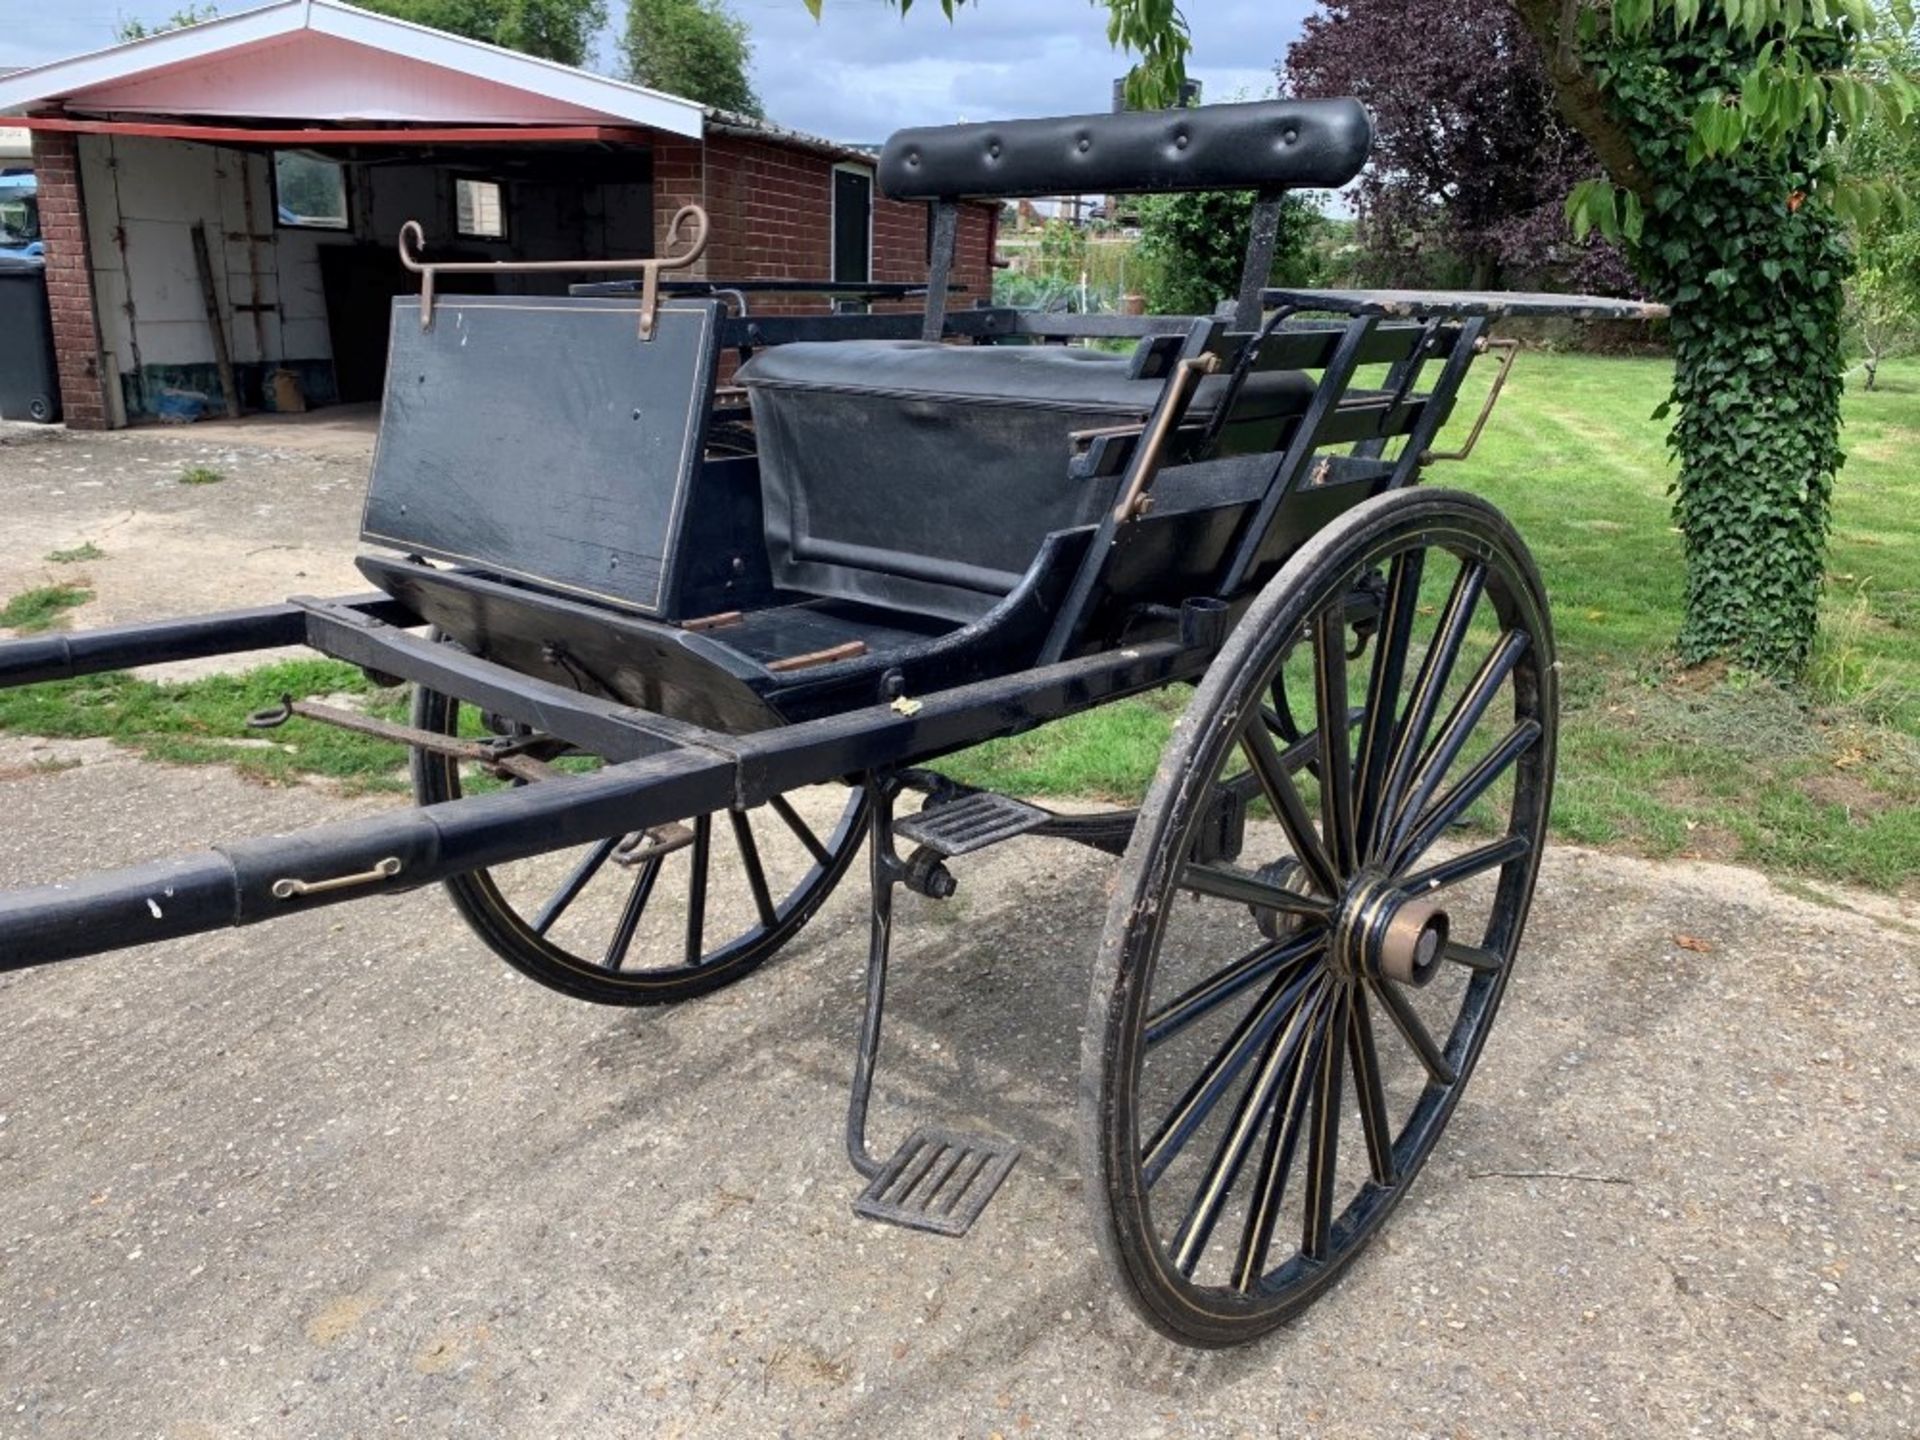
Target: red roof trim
[{"x": 393, "y": 135}]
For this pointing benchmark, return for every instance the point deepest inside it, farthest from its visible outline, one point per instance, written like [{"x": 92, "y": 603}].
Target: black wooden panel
[{"x": 542, "y": 438}]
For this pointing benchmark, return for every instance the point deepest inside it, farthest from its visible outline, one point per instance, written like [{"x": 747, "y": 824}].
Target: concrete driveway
[{"x": 347, "y": 1175}]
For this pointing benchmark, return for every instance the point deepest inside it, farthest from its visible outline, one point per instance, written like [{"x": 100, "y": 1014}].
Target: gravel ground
[
  {"x": 347, "y": 1175},
  {"x": 283, "y": 520}
]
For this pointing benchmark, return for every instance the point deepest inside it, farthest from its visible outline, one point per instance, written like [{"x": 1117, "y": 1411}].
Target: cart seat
[{"x": 924, "y": 477}]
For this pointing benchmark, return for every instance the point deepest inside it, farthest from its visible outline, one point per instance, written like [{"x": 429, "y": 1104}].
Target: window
[
  {"x": 19, "y": 219},
  {"x": 479, "y": 209},
  {"x": 308, "y": 191}
]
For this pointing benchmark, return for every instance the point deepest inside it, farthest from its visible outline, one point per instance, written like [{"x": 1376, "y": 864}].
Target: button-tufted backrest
[{"x": 1265, "y": 145}]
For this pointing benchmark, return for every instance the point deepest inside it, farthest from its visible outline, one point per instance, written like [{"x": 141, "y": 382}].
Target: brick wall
[
  {"x": 76, "y": 335},
  {"x": 772, "y": 211}
]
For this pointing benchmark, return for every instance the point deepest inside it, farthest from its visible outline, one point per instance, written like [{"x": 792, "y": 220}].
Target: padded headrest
[{"x": 1265, "y": 145}]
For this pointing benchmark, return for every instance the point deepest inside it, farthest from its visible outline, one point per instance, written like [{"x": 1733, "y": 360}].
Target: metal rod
[
  {"x": 886, "y": 870},
  {"x": 1512, "y": 349},
  {"x": 413, "y": 240}
]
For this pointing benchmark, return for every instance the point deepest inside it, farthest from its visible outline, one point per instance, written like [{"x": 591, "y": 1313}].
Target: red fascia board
[{"x": 401, "y": 135}]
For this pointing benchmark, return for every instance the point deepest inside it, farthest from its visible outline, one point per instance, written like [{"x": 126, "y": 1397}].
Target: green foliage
[
  {"x": 85, "y": 550},
  {"x": 1063, "y": 253},
  {"x": 692, "y": 48},
  {"x": 38, "y": 609},
  {"x": 127, "y": 28},
  {"x": 1738, "y": 115},
  {"x": 561, "y": 30},
  {"x": 201, "y": 475},
  {"x": 1194, "y": 247},
  {"x": 1755, "y": 272},
  {"x": 1883, "y": 301},
  {"x": 1883, "y": 310},
  {"x": 1155, "y": 30}
]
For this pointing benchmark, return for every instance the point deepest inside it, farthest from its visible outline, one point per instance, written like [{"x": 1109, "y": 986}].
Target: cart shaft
[{"x": 693, "y": 772}]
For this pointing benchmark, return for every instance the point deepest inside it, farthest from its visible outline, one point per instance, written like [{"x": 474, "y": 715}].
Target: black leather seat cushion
[
  {"x": 1049, "y": 376},
  {"x": 925, "y": 477}
]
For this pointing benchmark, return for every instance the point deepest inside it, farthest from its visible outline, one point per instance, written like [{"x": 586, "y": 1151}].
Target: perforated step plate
[
  {"x": 971, "y": 823},
  {"x": 938, "y": 1181}
]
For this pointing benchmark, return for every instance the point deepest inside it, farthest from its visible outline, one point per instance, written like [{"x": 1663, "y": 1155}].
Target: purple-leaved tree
[{"x": 1473, "y": 164}]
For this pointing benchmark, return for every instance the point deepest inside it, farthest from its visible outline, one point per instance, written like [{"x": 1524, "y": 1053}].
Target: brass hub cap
[{"x": 1381, "y": 931}]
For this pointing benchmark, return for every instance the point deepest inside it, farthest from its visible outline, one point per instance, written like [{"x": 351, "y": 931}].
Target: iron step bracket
[
  {"x": 938, "y": 1181},
  {"x": 970, "y": 823}
]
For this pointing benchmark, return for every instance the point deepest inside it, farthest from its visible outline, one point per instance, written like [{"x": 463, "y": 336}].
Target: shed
[{"x": 300, "y": 136}]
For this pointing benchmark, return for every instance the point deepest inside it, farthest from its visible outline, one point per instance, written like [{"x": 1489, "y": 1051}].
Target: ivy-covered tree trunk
[{"x": 1754, "y": 271}]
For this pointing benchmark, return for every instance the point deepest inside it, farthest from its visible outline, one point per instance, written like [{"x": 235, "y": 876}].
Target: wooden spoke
[
  {"x": 1250, "y": 1115},
  {"x": 630, "y": 913},
  {"x": 801, "y": 830},
  {"x": 1436, "y": 668},
  {"x": 1336, "y": 755},
  {"x": 1276, "y": 1164},
  {"x": 1276, "y": 783},
  {"x": 697, "y": 889},
  {"x": 1208, "y": 995},
  {"x": 571, "y": 887},
  {"x": 756, "y": 872},
  {"x": 1365, "y": 1058},
  {"x": 1455, "y": 732},
  {"x": 1466, "y": 865},
  {"x": 1474, "y": 957},
  {"x": 1280, "y": 1002},
  {"x": 1451, "y": 806},
  {"x": 1223, "y": 882},
  {"x": 1323, "y": 1144},
  {"x": 1414, "y": 1031},
  {"x": 1383, "y": 687},
  {"x": 591, "y": 937}
]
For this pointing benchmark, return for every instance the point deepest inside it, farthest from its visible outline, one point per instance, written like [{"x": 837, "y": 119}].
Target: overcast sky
[{"x": 862, "y": 71}]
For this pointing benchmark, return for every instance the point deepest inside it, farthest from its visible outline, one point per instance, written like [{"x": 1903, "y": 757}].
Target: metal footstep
[
  {"x": 970, "y": 823},
  {"x": 938, "y": 1180}
]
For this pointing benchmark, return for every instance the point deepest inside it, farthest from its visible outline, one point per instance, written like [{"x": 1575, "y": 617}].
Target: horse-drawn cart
[{"x": 668, "y": 635}]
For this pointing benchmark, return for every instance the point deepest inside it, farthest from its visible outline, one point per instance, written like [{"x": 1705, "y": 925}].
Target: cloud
[{"x": 862, "y": 71}]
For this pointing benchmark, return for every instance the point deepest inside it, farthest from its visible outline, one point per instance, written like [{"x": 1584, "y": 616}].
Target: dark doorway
[{"x": 853, "y": 225}]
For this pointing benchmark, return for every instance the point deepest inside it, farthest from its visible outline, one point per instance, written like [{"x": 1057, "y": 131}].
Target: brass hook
[{"x": 413, "y": 240}]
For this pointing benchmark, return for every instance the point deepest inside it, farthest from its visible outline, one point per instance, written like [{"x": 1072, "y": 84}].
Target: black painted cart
[{"x": 669, "y": 635}]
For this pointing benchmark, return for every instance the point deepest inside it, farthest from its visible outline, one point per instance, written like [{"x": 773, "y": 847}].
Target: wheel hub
[{"x": 1381, "y": 931}]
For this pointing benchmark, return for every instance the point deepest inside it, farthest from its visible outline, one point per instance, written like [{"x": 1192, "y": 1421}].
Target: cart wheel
[
  {"x": 655, "y": 917},
  {"x": 1224, "y": 1047}
]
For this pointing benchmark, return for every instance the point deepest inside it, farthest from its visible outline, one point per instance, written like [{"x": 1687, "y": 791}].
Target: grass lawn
[{"x": 1821, "y": 780}]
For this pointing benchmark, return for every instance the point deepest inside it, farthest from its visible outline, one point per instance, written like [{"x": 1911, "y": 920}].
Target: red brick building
[{"x": 299, "y": 137}]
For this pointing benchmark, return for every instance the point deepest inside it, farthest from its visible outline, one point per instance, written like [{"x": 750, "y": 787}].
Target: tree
[
  {"x": 1196, "y": 247},
  {"x": 1883, "y": 298},
  {"x": 561, "y": 30},
  {"x": 1883, "y": 311},
  {"x": 1717, "y": 126},
  {"x": 127, "y": 28},
  {"x": 692, "y": 48},
  {"x": 1472, "y": 163}
]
